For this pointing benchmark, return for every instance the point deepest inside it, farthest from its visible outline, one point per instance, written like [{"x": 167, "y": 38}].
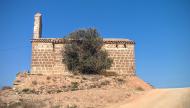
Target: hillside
[{"x": 72, "y": 91}]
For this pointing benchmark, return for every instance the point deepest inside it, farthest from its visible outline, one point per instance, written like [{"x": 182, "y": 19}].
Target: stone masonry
[{"x": 47, "y": 53}]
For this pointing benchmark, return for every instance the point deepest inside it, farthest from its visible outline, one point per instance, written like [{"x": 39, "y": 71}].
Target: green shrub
[
  {"x": 83, "y": 52},
  {"x": 74, "y": 86}
]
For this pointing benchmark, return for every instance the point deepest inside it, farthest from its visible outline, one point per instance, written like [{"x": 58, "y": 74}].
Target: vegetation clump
[
  {"x": 6, "y": 88},
  {"x": 139, "y": 88},
  {"x": 83, "y": 52},
  {"x": 34, "y": 82},
  {"x": 74, "y": 86}
]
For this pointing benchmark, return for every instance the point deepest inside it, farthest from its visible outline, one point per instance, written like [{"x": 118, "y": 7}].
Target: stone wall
[
  {"x": 123, "y": 58},
  {"x": 47, "y": 56}
]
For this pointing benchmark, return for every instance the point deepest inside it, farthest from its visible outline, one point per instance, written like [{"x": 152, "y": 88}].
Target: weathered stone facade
[{"x": 47, "y": 54}]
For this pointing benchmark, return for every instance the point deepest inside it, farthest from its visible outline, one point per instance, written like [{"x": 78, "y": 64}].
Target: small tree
[{"x": 83, "y": 52}]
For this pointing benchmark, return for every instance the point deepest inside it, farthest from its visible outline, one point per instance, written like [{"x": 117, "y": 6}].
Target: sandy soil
[{"x": 159, "y": 98}]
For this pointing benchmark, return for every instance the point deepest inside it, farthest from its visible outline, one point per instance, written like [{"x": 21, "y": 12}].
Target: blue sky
[{"x": 160, "y": 28}]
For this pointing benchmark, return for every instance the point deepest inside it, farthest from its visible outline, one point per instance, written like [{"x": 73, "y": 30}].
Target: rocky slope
[{"x": 71, "y": 91}]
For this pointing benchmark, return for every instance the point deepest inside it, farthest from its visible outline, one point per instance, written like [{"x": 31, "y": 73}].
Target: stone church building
[{"x": 47, "y": 53}]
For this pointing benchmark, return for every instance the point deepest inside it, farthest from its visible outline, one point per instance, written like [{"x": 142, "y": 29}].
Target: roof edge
[{"x": 106, "y": 40}]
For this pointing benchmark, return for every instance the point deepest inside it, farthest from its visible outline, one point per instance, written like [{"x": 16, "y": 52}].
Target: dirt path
[{"x": 160, "y": 98}]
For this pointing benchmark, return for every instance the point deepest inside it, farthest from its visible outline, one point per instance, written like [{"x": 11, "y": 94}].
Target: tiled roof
[{"x": 106, "y": 40}]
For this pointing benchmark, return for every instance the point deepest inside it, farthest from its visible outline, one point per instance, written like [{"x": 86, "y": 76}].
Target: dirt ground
[
  {"x": 159, "y": 98},
  {"x": 71, "y": 91},
  {"x": 92, "y": 98}
]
